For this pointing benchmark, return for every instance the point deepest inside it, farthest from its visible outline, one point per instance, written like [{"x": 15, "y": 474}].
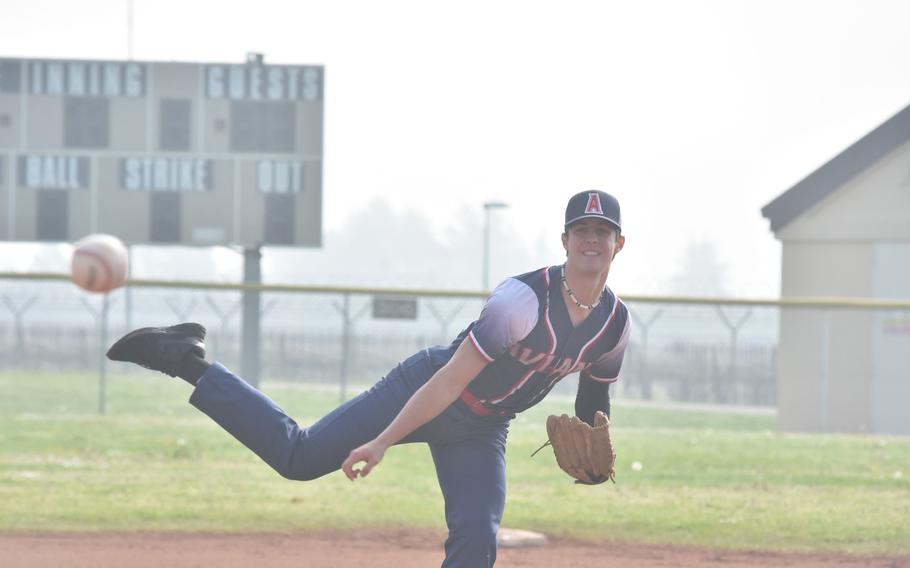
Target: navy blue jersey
[{"x": 525, "y": 331}]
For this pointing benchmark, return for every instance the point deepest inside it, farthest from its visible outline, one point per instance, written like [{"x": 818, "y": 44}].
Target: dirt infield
[{"x": 395, "y": 548}]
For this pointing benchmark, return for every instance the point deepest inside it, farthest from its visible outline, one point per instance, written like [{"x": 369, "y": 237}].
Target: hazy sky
[{"x": 694, "y": 114}]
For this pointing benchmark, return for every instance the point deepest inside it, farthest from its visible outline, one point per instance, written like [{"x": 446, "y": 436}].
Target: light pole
[{"x": 487, "y": 207}]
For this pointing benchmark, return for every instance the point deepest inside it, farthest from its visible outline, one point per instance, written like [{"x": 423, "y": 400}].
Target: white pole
[
  {"x": 486, "y": 240},
  {"x": 129, "y": 29},
  {"x": 826, "y": 340},
  {"x": 486, "y": 249}
]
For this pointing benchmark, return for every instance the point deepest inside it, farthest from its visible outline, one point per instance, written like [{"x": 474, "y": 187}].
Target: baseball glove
[{"x": 583, "y": 452}]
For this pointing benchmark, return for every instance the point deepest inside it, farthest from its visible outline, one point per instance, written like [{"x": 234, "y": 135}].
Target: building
[{"x": 845, "y": 231}]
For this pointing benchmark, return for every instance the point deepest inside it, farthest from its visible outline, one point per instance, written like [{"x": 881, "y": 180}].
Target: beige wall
[
  {"x": 824, "y": 376},
  {"x": 828, "y": 357},
  {"x": 891, "y": 342}
]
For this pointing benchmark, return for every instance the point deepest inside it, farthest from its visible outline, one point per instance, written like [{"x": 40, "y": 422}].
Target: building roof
[{"x": 839, "y": 170}]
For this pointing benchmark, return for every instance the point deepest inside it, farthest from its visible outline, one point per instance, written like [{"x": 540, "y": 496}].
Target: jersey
[{"x": 527, "y": 335}]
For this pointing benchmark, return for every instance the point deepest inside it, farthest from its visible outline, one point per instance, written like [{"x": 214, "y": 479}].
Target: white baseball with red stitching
[{"x": 100, "y": 263}]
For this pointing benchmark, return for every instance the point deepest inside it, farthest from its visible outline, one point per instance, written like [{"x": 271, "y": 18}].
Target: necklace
[{"x": 565, "y": 285}]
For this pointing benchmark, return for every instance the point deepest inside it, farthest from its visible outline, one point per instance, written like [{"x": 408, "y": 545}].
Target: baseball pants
[{"x": 468, "y": 450}]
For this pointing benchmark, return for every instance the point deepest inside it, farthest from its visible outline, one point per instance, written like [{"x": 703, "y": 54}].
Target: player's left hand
[{"x": 371, "y": 453}]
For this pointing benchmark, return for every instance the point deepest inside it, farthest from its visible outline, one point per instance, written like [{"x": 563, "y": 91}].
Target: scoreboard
[{"x": 161, "y": 152}]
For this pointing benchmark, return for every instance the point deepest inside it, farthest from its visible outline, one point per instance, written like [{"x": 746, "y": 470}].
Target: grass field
[{"x": 721, "y": 480}]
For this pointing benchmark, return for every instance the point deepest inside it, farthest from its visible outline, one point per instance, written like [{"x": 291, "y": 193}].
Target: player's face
[{"x": 591, "y": 244}]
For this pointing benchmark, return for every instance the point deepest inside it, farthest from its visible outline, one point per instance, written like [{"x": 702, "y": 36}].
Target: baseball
[{"x": 100, "y": 263}]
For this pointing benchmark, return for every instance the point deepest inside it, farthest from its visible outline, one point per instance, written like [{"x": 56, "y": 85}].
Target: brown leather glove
[{"x": 583, "y": 452}]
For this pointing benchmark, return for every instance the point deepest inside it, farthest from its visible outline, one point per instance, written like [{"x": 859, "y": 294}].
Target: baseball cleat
[{"x": 160, "y": 348}]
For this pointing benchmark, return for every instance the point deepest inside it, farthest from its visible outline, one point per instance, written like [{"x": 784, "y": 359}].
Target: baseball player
[{"x": 533, "y": 330}]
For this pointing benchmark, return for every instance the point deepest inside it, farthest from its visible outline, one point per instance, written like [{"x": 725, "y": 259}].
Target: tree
[{"x": 700, "y": 272}]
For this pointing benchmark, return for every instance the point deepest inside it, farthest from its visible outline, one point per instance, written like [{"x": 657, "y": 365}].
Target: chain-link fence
[
  {"x": 678, "y": 352},
  {"x": 682, "y": 350}
]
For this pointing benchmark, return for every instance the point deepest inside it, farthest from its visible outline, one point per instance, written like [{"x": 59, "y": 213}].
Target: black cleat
[{"x": 160, "y": 348}]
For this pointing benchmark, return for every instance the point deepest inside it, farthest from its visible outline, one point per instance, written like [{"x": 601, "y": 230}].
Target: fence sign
[{"x": 394, "y": 308}]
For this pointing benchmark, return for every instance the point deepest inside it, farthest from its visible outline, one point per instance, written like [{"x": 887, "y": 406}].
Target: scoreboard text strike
[{"x": 182, "y": 153}]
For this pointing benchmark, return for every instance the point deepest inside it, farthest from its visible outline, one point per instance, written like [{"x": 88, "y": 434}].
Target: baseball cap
[{"x": 593, "y": 204}]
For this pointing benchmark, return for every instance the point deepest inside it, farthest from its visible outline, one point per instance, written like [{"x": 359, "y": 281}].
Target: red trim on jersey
[
  {"x": 474, "y": 404},
  {"x": 515, "y": 387},
  {"x": 620, "y": 344},
  {"x": 543, "y": 392},
  {"x": 478, "y": 347},
  {"x": 546, "y": 314},
  {"x": 603, "y": 330}
]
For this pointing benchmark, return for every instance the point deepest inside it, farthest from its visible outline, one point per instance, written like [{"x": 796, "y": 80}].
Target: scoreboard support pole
[
  {"x": 249, "y": 358},
  {"x": 102, "y": 359},
  {"x": 128, "y": 291}
]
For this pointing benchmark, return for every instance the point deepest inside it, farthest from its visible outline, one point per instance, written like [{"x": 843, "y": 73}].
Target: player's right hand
[{"x": 371, "y": 453}]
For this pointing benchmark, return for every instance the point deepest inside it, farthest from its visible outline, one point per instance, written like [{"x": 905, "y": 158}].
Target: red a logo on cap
[{"x": 594, "y": 205}]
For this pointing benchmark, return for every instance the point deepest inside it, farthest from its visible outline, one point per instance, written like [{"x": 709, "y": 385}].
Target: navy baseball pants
[{"x": 468, "y": 450}]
